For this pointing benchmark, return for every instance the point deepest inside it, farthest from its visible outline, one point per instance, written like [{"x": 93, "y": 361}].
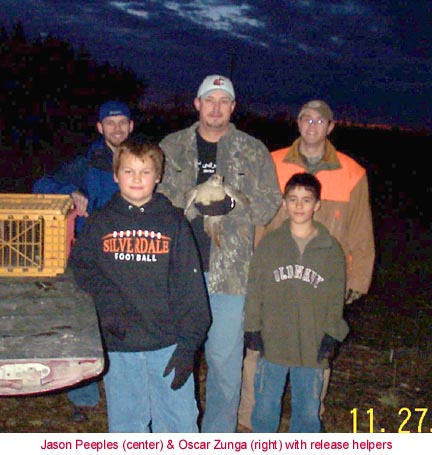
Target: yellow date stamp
[{"x": 407, "y": 416}]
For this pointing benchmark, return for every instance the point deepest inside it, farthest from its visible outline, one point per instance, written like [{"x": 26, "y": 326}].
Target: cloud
[
  {"x": 283, "y": 50},
  {"x": 216, "y": 15},
  {"x": 328, "y": 7},
  {"x": 335, "y": 8},
  {"x": 235, "y": 19},
  {"x": 132, "y": 8}
]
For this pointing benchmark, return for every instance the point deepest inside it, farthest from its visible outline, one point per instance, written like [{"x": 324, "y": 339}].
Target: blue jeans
[
  {"x": 224, "y": 357},
  {"x": 140, "y": 399},
  {"x": 86, "y": 395},
  {"x": 306, "y": 385}
]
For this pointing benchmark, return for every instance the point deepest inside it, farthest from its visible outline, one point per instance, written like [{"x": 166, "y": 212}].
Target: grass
[{"x": 383, "y": 370}]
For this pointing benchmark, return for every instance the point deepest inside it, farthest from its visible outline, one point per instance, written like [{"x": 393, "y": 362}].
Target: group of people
[{"x": 291, "y": 251}]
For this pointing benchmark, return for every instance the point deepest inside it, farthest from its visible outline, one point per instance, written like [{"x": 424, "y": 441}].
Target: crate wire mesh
[
  {"x": 36, "y": 233},
  {"x": 21, "y": 243}
]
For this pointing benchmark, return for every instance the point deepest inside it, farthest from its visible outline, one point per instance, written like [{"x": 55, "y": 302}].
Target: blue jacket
[{"x": 92, "y": 175}]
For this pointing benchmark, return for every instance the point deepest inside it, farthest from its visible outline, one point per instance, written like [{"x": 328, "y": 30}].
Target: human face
[
  {"x": 300, "y": 205},
  {"x": 136, "y": 179},
  {"x": 115, "y": 129},
  {"x": 314, "y": 128},
  {"x": 215, "y": 110}
]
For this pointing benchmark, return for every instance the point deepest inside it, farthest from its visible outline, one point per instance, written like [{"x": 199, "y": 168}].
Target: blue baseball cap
[{"x": 111, "y": 107}]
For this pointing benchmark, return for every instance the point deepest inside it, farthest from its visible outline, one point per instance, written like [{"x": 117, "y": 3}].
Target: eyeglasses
[{"x": 311, "y": 121}]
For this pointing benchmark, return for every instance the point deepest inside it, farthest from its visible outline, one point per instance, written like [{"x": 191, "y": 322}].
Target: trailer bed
[{"x": 49, "y": 335}]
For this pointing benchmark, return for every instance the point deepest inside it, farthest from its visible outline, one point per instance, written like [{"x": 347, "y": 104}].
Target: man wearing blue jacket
[{"x": 89, "y": 181}]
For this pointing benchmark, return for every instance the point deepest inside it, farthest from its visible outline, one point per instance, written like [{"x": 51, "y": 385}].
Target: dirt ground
[{"x": 381, "y": 380}]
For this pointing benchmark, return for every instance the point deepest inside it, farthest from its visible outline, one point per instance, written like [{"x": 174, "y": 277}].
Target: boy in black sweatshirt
[{"x": 138, "y": 259}]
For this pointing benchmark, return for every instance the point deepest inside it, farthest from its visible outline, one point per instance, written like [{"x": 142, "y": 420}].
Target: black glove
[
  {"x": 254, "y": 342},
  {"x": 182, "y": 361},
  {"x": 327, "y": 349},
  {"x": 216, "y": 208}
]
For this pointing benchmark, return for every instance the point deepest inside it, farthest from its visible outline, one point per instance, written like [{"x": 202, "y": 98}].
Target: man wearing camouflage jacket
[{"x": 192, "y": 156}]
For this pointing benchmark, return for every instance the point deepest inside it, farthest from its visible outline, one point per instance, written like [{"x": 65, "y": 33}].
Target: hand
[
  {"x": 254, "y": 341},
  {"x": 118, "y": 321},
  {"x": 182, "y": 361},
  {"x": 80, "y": 202},
  {"x": 116, "y": 325},
  {"x": 327, "y": 349},
  {"x": 216, "y": 208},
  {"x": 351, "y": 296}
]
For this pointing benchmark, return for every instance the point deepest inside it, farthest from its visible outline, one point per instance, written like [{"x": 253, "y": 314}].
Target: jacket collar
[
  {"x": 194, "y": 130},
  {"x": 329, "y": 161},
  {"x": 321, "y": 240}
]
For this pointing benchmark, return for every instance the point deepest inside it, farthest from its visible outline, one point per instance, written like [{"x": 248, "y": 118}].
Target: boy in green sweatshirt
[{"x": 293, "y": 310}]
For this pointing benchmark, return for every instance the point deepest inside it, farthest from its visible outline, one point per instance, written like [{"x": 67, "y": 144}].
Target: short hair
[
  {"x": 142, "y": 151},
  {"x": 304, "y": 180}
]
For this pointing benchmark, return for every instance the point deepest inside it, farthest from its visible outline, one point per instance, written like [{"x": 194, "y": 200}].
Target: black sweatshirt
[{"x": 142, "y": 268}]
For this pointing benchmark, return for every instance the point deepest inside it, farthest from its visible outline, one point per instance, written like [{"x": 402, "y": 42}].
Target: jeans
[
  {"x": 306, "y": 385},
  {"x": 140, "y": 399},
  {"x": 224, "y": 356},
  {"x": 86, "y": 395}
]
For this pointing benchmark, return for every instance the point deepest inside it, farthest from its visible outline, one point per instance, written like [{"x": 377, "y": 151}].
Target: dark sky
[{"x": 370, "y": 59}]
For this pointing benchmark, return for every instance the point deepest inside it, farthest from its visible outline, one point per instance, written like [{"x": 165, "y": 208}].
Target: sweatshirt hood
[{"x": 158, "y": 204}]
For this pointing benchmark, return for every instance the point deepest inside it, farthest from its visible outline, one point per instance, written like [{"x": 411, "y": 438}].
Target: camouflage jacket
[{"x": 246, "y": 165}]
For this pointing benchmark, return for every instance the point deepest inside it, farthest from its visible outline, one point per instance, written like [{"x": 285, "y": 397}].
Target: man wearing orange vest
[{"x": 345, "y": 211}]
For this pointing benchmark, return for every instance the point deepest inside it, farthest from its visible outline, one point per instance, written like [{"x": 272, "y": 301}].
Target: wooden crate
[{"x": 36, "y": 234}]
